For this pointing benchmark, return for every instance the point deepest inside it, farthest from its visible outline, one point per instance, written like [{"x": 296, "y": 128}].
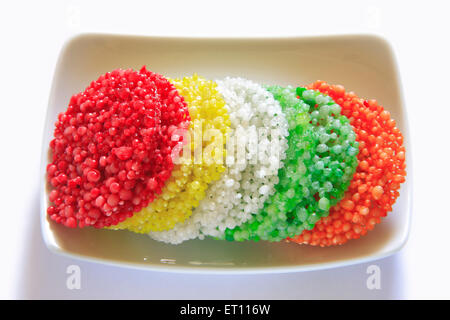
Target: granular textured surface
[
  {"x": 186, "y": 187},
  {"x": 259, "y": 129},
  {"x": 321, "y": 160},
  {"x": 376, "y": 183},
  {"x": 111, "y": 152}
]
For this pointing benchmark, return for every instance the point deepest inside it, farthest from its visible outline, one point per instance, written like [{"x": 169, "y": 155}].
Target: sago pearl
[
  {"x": 376, "y": 183},
  {"x": 258, "y": 124},
  {"x": 320, "y": 163},
  {"x": 190, "y": 178},
  {"x": 111, "y": 152}
]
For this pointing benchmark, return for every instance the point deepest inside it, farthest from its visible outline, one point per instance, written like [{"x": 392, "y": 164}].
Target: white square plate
[{"x": 362, "y": 63}]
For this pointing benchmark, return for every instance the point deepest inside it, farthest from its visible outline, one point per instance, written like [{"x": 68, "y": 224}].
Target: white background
[{"x": 32, "y": 34}]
